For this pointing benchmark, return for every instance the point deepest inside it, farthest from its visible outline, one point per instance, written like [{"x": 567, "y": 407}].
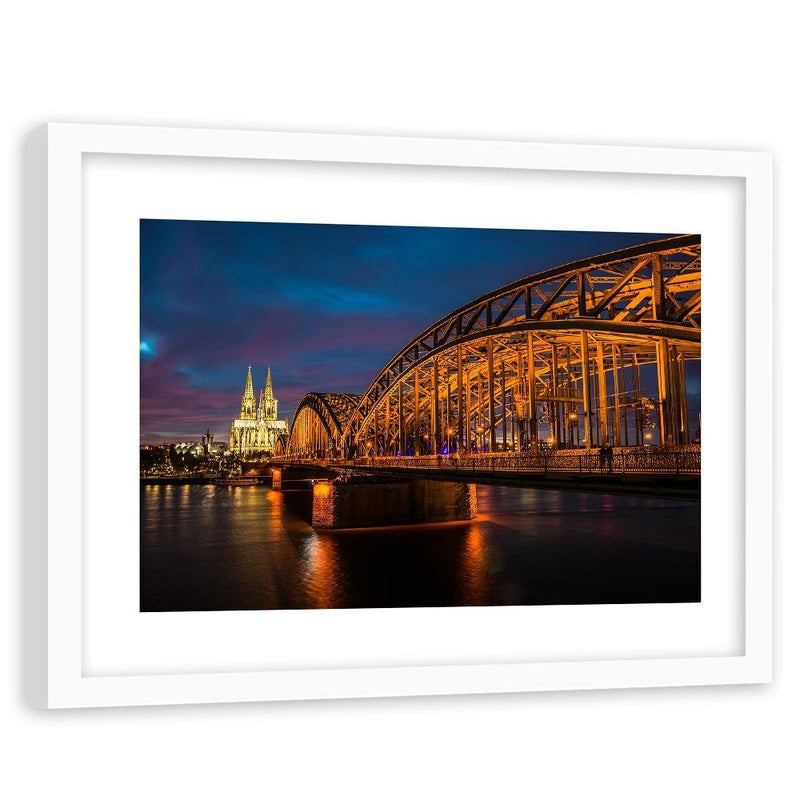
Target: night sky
[{"x": 325, "y": 305}]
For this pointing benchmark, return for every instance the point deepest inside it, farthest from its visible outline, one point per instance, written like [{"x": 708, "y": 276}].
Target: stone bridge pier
[{"x": 370, "y": 503}]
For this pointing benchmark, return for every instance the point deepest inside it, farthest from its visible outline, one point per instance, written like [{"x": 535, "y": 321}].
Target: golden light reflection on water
[
  {"x": 474, "y": 566},
  {"x": 323, "y": 571},
  {"x": 183, "y": 498}
]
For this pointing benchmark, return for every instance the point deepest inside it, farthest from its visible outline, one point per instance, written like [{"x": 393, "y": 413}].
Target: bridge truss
[
  {"x": 566, "y": 347},
  {"x": 318, "y": 424}
]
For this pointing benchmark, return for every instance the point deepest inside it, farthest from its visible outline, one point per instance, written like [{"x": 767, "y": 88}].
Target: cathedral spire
[
  {"x": 268, "y": 388},
  {"x": 248, "y": 399}
]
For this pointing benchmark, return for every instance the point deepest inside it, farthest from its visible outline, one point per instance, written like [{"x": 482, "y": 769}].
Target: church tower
[
  {"x": 248, "y": 407},
  {"x": 268, "y": 405}
]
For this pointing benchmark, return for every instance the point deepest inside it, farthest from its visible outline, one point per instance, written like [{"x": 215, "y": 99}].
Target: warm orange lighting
[
  {"x": 474, "y": 565},
  {"x": 323, "y": 488}
]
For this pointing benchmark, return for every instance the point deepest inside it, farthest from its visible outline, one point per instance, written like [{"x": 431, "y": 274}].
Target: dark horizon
[{"x": 326, "y": 306}]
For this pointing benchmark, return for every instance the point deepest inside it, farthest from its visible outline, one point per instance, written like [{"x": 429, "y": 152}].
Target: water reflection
[
  {"x": 322, "y": 571},
  {"x": 474, "y": 567},
  {"x": 215, "y": 547}
]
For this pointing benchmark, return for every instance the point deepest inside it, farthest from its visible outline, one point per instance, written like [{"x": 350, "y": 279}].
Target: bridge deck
[{"x": 662, "y": 474}]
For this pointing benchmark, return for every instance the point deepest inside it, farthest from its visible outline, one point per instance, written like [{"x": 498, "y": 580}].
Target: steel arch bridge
[
  {"x": 319, "y": 423},
  {"x": 565, "y": 346}
]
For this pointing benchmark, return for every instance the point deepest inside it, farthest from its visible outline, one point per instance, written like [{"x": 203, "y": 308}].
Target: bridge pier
[
  {"x": 370, "y": 503},
  {"x": 277, "y": 478}
]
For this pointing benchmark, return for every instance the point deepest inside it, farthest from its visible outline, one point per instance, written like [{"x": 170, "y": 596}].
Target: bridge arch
[
  {"x": 318, "y": 424},
  {"x": 567, "y": 346},
  {"x": 282, "y": 445}
]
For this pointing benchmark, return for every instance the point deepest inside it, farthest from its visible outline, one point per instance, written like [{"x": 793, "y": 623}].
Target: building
[
  {"x": 257, "y": 428},
  {"x": 194, "y": 449}
]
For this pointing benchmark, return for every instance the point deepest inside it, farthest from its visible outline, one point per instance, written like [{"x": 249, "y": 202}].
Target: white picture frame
[{"x": 57, "y": 427}]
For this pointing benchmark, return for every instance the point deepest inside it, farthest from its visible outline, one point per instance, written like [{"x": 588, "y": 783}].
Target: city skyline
[{"x": 325, "y": 305}]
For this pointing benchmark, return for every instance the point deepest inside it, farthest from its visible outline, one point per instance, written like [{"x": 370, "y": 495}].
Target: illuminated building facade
[{"x": 257, "y": 428}]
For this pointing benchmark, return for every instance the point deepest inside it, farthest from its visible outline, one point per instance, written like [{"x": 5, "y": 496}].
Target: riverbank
[{"x": 183, "y": 480}]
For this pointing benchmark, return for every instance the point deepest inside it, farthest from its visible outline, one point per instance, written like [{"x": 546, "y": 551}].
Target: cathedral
[{"x": 257, "y": 428}]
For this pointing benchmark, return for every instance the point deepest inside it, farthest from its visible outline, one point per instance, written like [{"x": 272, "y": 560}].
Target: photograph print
[{"x": 358, "y": 416}]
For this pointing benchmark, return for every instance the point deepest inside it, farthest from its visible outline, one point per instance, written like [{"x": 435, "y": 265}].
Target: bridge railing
[{"x": 667, "y": 463}]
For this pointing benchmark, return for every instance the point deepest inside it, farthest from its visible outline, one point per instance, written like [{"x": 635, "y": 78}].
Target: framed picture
[{"x": 316, "y": 416}]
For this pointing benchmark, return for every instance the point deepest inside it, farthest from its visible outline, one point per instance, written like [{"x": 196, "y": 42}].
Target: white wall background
[{"x": 679, "y": 73}]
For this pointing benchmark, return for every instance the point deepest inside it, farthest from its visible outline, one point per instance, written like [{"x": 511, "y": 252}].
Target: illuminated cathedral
[{"x": 257, "y": 428}]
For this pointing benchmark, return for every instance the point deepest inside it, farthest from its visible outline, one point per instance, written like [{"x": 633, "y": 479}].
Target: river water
[{"x": 249, "y": 547}]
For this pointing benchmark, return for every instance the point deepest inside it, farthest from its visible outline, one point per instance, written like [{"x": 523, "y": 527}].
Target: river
[{"x": 211, "y": 547}]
